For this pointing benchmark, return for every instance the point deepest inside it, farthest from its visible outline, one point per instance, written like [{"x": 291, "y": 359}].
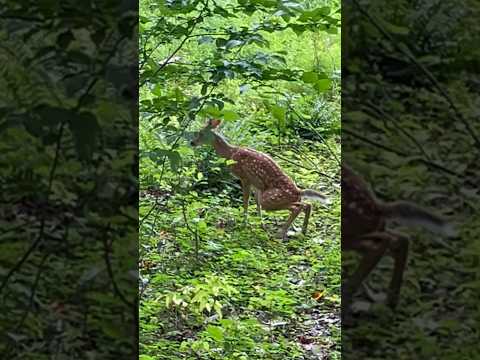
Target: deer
[
  {"x": 274, "y": 189},
  {"x": 364, "y": 230}
]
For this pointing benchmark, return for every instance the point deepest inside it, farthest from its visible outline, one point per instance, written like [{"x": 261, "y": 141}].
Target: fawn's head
[{"x": 205, "y": 135}]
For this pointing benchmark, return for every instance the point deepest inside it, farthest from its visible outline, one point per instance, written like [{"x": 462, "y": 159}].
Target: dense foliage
[
  {"x": 410, "y": 125},
  {"x": 212, "y": 288},
  {"x": 68, "y": 199}
]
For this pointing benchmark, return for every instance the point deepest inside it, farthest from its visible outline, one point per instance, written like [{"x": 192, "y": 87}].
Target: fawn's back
[{"x": 260, "y": 170}]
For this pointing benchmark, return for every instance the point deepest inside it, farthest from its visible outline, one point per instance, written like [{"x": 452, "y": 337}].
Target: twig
[
  {"x": 106, "y": 255},
  {"x": 192, "y": 231},
  {"x": 188, "y": 36},
  {"x": 316, "y": 132},
  {"x": 301, "y": 166},
  {"x": 149, "y": 212},
  {"x": 402, "y": 130}
]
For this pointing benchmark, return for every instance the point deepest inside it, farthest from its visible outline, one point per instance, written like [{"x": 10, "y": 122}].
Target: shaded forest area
[
  {"x": 410, "y": 125},
  {"x": 211, "y": 287},
  {"x": 68, "y": 180}
]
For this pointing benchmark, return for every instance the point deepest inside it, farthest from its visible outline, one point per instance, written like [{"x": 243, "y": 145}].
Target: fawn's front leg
[
  {"x": 246, "y": 198},
  {"x": 258, "y": 198}
]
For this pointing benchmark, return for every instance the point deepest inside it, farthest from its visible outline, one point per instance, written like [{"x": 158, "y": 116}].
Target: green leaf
[
  {"x": 215, "y": 332},
  {"x": 146, "y": 357},
  {"x": 395, "y": 29},
  {"x": 47, "y": 117},
  {"x": 332, "y": 30},
  {"x": 158, "y": 89},
  {"x": 175, "y": 160},
  {"x": 292, "y": 5},
  {"x": 323, "y": 84},
  {"x": 230, "y": 115},
  {"x": 202, "y": 226},
  {"x": 314, "y": 15},
  {"x": 279, "y": 113},
  {"x": 85, "y": 130},
  {"x": 297, "y": 28},
  {"x": 310, "y": 77},
  {"x": 211, "y": 111},
  {"x": 79, "y": 57},
  {"x": 173, "y": 156},
  {"x": 217, "y": 306}
]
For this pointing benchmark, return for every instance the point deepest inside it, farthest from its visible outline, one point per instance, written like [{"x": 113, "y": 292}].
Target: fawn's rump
[{"x": 279, "y": 198}]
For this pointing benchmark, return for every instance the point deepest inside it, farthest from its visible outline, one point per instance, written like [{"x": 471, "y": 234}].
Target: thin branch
[
  {"x": 399, "y": 128},
  {"x": 316, "y": 132},
  {"x": 25, "y": 256},
  {"x": 149, "y": 212},
  {"x": 106, "y": 256},
  {"x": 298, "y": 165},
  {"x": 188, "y": 36}
]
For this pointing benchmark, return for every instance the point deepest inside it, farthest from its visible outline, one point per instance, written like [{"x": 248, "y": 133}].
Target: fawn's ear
[{"x": 213, "y": 123}]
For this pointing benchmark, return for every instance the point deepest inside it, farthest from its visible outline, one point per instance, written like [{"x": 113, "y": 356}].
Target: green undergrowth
[{"x": 219, "y": 288}]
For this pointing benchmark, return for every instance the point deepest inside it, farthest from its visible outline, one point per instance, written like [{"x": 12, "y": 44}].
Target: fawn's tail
[
  {"x": 314, "y": 195},
  {"x": 412, "y": 214}
]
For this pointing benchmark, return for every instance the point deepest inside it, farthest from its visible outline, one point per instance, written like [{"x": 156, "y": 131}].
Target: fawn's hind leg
[
  {"x": 307, "y": 208},
  {"x": 399, "y": 252},
  {"x": 372, "y": 247},
  {"x": 282, "y": 199},
  {"x": 295, "y": 209}
]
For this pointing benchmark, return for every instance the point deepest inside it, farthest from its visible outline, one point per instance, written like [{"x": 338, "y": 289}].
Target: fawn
[
  {"x": 364, "y": 220},
  {"x": 274, "y": 190}
]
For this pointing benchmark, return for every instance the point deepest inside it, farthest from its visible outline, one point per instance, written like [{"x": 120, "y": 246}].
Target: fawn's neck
[{"x": 222, "y": 147}]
